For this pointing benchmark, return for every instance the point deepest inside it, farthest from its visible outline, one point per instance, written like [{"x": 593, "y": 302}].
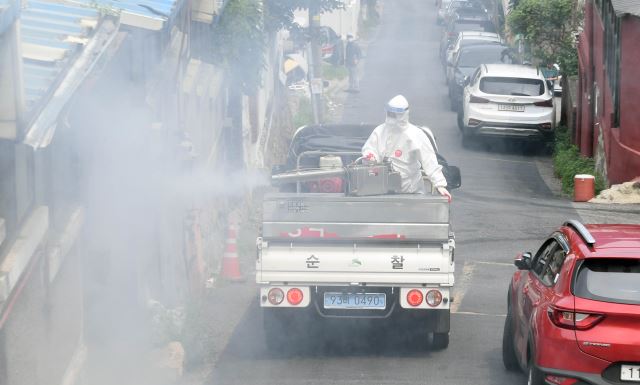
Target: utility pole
[{"x": 315, "y": 70}]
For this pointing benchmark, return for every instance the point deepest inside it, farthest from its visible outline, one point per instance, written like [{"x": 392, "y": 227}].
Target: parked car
[
  {"x": 456, "y": 5},
  {"x": 442, "y": 9},
  {"x": 507, "y": 100},
  {"x": 450, "y": 33},
  {"x": 574, "y": 308},
  {"x": 467, "y": 38},
  {"x": 467, "y": 60},
  {"x": 332, "y": 46}
]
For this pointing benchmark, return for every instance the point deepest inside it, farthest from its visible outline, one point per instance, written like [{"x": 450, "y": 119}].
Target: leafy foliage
[
  {"x": 239, "y": 43},
  {"x": 568, "y": 162},
  {"x": 279, "y": 13},
  {"x": 550, "y": 26}
]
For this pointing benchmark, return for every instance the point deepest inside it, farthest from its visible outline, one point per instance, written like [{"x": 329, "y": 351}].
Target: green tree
[
  {"x": 550, "y": 27},
  {"x": 238, "y": 43},
  {"x": 279, "y": 13}
]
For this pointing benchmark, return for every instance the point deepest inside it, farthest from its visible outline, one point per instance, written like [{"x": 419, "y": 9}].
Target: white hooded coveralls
[{"x": 408, "y": 149}]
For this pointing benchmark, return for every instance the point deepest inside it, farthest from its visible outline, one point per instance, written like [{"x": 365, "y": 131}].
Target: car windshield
[
  {"x": 476, "y": 40},
  {"x": 512, "y": 86},
  {"x": 473, "y": 58},
  {"x": 466, "y": 26},
  {"x": 609, "y": 280}
]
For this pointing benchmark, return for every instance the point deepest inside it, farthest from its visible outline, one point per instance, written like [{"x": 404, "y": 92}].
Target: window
[
  {"x": 542, "y": 257},
  {"x": 552, "y": 271},
  {"x": 614, "y": 280},
  {"x": 473, "y": 57},
  {"x": 512, "y": 86}
]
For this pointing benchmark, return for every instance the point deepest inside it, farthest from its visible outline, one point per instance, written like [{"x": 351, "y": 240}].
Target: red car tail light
[
  {"x": 557, "y": 380},
  {"x": 414, "y": 297},
  {"x": 544, "y": 103},
  {"x": 545, "y": 126},
  {"x": 294, "y": 296},
  {"x": 434, "y": 298},
  {"x": 569, "y": 319},
  {"x": 275, "y": 296},
  {"x": 477, "y": 99}
]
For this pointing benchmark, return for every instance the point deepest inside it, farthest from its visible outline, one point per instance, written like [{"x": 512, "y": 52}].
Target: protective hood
[{"x": 397, "y": 113}]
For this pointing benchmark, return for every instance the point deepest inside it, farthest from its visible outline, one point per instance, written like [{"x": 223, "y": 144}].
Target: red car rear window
[{"x": 609, "y": 280}]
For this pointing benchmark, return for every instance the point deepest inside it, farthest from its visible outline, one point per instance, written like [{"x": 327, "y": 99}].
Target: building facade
[{"x": 607, "y": 116}]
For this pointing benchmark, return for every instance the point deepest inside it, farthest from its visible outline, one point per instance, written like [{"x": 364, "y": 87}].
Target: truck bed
[{"x": 335, "y": 217}]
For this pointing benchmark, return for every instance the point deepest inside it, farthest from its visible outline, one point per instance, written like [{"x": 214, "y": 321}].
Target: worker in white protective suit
[{"x": 408, "y": 149}]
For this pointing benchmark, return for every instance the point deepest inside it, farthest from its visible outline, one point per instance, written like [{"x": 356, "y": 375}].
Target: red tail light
[
  {"x": 414, "y": 297},
  {"x": 545, "y": 126},
  {"x": 568, "y": 319},
  {"x": 477, "y": 99},
  {"x": 544, "y": 103},
  {"x": 295, "y": 296}
]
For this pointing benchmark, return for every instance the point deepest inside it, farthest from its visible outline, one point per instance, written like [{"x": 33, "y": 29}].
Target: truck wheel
[
  {"x": 440, "y": 341},
  {"x": 274, "y": 329},
  {"x": 509, "y": 358}
]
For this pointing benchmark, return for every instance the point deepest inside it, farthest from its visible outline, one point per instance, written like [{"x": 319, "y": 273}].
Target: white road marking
[
  {"x": 479, "y": 314},
  {"x": 494, "y": 263},
  {"x": 461, "y": 288}
]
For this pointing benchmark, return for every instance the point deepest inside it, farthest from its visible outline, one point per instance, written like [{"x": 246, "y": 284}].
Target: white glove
[{"x": 445, "y": 193}]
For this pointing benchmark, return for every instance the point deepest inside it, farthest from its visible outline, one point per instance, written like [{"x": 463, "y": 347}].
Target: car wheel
[
  {"x": 466, "y": 137},
  {"x": 534, "y": 375},
  {"x": 454, "y": 102},
  {"x": 440, "y": 341},
  {"x": 509, "y": 358},
  {"x": 460, "y": 119}
]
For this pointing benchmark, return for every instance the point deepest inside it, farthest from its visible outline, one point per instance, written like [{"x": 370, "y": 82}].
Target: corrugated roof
[
  {"x": 147, "y": 14},
  {"x": 628, "y": 7},
  {"x": 52, "y": 34}
]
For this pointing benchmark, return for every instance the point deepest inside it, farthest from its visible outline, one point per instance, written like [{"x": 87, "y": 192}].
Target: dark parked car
[
  {"x": 467, "y": 60},
  {"x": 459, "y": 24},
  {"x": 574, "y": 308}
]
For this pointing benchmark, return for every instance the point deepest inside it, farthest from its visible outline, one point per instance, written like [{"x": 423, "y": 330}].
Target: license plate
[
  {"x": 630, "y": 373},
  {"x": 510, "y": 107},
  {"x": 355, "y": 300}
]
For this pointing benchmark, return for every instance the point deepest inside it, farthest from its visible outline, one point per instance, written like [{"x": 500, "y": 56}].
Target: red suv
[{"x": 574, "y": 308}]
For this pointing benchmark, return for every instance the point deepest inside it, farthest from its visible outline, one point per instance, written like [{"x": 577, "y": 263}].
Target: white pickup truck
[{"x": 332, "y": 246}]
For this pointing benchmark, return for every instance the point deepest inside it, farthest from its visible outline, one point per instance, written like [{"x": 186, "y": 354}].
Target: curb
[{"x": 545, "y": 169}]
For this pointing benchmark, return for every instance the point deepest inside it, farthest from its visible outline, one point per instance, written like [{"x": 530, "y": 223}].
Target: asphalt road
[{"x": 503, "y": 208}]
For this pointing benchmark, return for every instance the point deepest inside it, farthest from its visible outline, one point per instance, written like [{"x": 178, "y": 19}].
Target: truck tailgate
[{"x": 346, "y": 263}]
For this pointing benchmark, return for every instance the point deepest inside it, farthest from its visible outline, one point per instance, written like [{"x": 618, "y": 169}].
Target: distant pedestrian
[{"x": 351, "y": 61}]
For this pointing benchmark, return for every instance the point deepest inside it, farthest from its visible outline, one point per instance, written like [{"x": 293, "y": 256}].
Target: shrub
[{"x": 568, "y": 162}]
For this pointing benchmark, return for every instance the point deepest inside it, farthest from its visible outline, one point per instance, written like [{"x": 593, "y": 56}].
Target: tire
[
  {"x": 454, "y": 103},
  {"x": 534, "y": 375},
  {"x": 466, "y": 137},
  {"x": 460, "y": 118},
  {"x": 509, "y": 358},
  {"x": 274, "y": 328},
  {"x": 440, "y": 341}
]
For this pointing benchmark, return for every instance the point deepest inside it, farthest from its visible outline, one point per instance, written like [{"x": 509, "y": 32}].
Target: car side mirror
[
  {"x": 523, "y": 261},
  {"x": 467, "y": 80},
  {"x": 453, "y": 177}
]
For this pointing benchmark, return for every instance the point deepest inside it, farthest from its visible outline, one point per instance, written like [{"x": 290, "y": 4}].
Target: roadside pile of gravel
[{"x": 625, "y": 193}]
